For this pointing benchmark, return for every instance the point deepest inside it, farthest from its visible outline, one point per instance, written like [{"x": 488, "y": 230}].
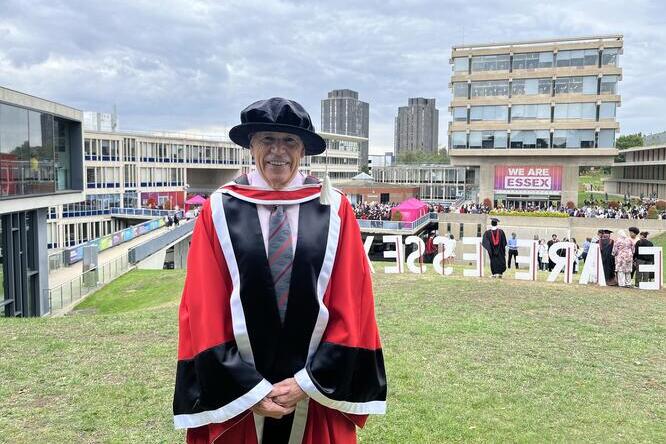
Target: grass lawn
[{"x": 467, "y": 360}]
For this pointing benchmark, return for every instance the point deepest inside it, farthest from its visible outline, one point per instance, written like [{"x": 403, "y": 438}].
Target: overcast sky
[{"x": 192, "y": 66}]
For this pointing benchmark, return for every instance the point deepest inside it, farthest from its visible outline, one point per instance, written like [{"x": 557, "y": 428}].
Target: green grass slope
[{"x": 467, "y": 360}]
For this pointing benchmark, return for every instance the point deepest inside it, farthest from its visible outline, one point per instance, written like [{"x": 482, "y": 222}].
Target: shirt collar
[{"x": 255, "y": 179}]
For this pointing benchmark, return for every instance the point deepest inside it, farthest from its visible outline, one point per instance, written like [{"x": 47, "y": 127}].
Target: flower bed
[{"x": 528, "y": 213}]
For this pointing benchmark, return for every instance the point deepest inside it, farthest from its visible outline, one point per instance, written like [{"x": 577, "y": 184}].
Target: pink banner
[{"x": 528, "y": 178}]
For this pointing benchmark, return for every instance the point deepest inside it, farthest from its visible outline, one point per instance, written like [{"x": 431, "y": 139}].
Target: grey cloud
[{"x": 195, "y": 64}]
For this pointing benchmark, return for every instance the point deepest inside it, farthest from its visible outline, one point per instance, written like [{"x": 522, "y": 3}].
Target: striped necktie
[{"x": 280, "y": 256}]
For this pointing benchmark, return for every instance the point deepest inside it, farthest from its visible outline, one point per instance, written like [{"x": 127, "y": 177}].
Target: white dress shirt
[{"x": 264, "y": 211}]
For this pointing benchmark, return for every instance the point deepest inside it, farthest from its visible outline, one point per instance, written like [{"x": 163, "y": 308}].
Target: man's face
[{"x": 277, "y": 156}]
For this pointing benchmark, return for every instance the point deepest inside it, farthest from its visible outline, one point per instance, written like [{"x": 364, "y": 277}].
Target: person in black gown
[
  {"x": 607, "y": 258},
  {"x": 494, "y": 241}
]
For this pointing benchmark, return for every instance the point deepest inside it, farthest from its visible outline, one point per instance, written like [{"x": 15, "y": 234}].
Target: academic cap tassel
[{"x": 326, "y": 188}]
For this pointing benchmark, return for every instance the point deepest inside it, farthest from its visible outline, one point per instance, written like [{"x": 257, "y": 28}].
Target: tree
[
  {"x": 411, "y": 157},
  {"x": 629, "y": 141}
]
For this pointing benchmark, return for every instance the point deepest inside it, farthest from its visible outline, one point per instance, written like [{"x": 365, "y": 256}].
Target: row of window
[
  {"x": 531, "y": 87},
  {"x": 102, "y": 149},
  {"x": 649, "y": 172},
  {"x": 35, "y": 151},
  {"x": 109, "y": 177},
  {"x": 604, "y": 138},
  {"x": 535, "y": 60},
  {"x": 95, "y": 204},
  {"x": 450, "y": 175},
  {"x": 541, "y": 111},
  {"x": 342, "y": 145},
  {"x": 646, "y": 155}
]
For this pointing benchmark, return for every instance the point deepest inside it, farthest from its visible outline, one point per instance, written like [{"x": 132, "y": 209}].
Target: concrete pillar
[
  {"x": 486, "y": 182},
  {"x": 180, "y": 251},
  {"x": 570, "y": 184},
  {"x": 153, "y": 262}
]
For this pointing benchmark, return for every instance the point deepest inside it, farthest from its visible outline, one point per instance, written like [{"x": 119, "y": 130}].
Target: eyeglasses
[{"x": 266, "y": 142}]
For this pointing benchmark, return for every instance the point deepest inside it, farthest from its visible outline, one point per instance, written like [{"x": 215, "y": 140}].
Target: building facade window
[
  {"x": 607, "y": 110},
  {"x": 530, "y": 112},
  {"x": 608, "y": 85},
  {"x": 587, "y": 111},
  {"x": 490, "y": 63},
  {"x": 532, "y": 60},
  {"x": 531, "y": 87},
  {"x": 610, "y": 57},
  {"x": 34, "y": 152},
  {"x": 489, "y": 113},
  {"x": 577, "y": 58},
  {"x": 460, "y": 89},
  {"x": 459, "y": 139},
  {"x": 576, "y": 85},
  {"x": 460, "y": 114},
  {"x": 607, "y": 138},
  {"x": 530, "y": 139},
  {"x": 497, "y": 88},
  {"x": 461, "y": 65}
]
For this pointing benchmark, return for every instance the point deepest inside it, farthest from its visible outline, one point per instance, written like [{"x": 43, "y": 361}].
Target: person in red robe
[{"x": 248, "y": 372}]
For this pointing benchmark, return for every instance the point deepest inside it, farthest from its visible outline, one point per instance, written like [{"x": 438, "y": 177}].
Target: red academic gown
[{"x": 232, "y": 346}]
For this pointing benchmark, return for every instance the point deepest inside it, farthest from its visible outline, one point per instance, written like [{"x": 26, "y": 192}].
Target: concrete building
[
  {"x": 341, "y": 157},
  {"x": 437, "y": 183},
  {"x": 128, "y": 170},
  {"x": 140, "y": 170},
  {"x": 41, "y": 164},
  {"x": 417, "y": 126},
  {"x": 643, "y": 173},
  {"x": 529, "y": 114},
  {"x": 380, "y": 160},
  {"x": 94, "y": 121},
  {"x": 343, "y": 113}
]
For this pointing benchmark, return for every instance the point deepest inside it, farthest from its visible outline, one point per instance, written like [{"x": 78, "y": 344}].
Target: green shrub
[{"x": 652, "y": 212}]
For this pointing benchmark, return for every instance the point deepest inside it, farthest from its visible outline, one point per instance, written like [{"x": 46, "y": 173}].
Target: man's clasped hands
[{"x": 281, "y": 400}]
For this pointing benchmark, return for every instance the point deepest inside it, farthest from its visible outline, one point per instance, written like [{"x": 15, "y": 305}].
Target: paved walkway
[{"x": 65, "y": 274}]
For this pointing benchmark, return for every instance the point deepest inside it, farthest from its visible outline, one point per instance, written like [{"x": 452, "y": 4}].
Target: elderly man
[{"x": 278, "y": 341}]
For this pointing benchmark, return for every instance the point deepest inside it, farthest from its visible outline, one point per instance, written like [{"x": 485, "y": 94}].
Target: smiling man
[{"x": 278, "y": 341}]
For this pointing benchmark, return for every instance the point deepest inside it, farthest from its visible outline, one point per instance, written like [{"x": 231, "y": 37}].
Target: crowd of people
[
  {"x": 590, "y": 209},
  {"x": 382, "y": 211}
]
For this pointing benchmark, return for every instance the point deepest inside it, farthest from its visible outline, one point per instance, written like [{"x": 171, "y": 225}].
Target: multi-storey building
[
  {"x": 341, "y": 157},
  {"x": 41, "y": 165},
  {"x": 343, "y": 113},
  {"x": 642, "y": 173},
  {"x": 141, "y": 170},
  {"x": 529, "y": 114},
  {"x": 417, "y": 126},
  {"x": 158, "y": 170},
  {"x": 437, "y": 183}
]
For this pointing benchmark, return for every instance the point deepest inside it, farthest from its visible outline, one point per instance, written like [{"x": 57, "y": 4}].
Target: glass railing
[
  {"x": 146, "y": 212},
  {"x": 65, "y": 294},
  {"x": 392, "y": 225}
]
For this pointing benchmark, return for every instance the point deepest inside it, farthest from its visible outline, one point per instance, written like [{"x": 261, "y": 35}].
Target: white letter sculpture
[
  {"x": 531, "y": 260},
  {"x": 477, "y": 256},
  {"x": 593, "y": 270},
  {"x": 398, "y": 254},
  {"x": 439, "y": 257},
  {"x": 561, "y": 262},
  {"x": 416, "y": 254},
  {"x": 366, "y": 246},
  {"x": 655, "y": 267}
]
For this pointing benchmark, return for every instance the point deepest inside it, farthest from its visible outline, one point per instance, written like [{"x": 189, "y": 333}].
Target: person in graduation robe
[
  {"x": 607, "y": 258},
  {"x": 264, "y": 362},
  {"x": 494, "y": 241}
]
